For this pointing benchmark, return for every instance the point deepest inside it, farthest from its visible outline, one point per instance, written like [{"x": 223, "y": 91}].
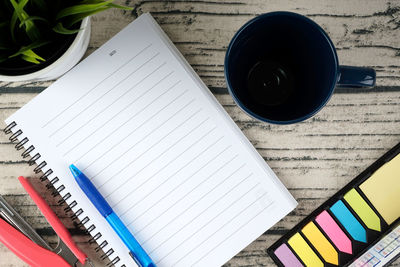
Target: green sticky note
[{"x": 363, "y": 210}]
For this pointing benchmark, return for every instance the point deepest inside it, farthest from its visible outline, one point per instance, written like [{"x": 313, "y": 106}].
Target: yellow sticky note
[
  {"x": 303, "y": 250},
  {"x": 321, "y": 244},
  {"x": 383, "y": 190},
  {"x": 363, "y": 210}
]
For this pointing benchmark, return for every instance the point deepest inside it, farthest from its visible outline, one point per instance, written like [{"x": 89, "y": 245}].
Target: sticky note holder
[{"x": 348, "y": 223}]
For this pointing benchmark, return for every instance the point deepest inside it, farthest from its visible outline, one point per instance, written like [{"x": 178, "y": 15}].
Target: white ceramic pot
[{"x": 69, "y": 59}]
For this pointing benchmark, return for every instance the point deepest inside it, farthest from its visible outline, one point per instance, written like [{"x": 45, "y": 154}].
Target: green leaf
[
  {"x": 30, "y": 59},
  {"x": 79, "y": 17},
  {"x": 30, "y": 53},
  {"x": 19, "y": 5},
  {"x": 30, "y": 28},
  {"x": 59, "y": 28},
  {"x": 33, "y": 45},
  {"x": 23, "y": 3},
  {"x": 30, "y": 56},
  {"x": 32, "y": 18},
  {"x": 13, "y": 22},
  {"x": 77, "y": 9}
]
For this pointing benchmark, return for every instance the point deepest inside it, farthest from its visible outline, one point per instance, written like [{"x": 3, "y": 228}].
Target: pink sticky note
[{"x": 333, "y": 231}]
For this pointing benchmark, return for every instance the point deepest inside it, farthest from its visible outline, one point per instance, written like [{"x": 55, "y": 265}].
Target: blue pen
[{"x": 136, "y": 251}]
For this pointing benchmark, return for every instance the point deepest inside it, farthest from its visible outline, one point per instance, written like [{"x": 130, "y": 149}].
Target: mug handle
[{"x": 356, "y": 77}]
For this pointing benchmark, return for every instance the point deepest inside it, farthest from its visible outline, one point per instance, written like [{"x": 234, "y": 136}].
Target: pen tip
[{"x": 75, "y": 171}]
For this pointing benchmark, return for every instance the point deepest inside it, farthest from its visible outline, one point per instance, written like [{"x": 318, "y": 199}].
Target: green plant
[{"x": 29, "y": 27}]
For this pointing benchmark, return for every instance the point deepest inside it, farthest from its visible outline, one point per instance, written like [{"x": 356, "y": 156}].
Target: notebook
[{"x": 139, "y": 122}]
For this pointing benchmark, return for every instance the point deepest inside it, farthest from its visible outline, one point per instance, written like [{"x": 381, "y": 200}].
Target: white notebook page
[{"x": 137, "y": 120}]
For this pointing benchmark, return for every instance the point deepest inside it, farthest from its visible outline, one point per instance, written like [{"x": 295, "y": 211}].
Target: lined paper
[{"x": 147, "y": 132}]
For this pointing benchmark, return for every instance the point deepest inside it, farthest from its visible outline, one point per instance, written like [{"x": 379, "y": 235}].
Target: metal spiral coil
[
  {"x": 82, "y": 222},
  {"x": 8, "y": 129},
  {"x": 27, "y": 151},
  {"x": 114, "y": 261},
  {"x": 34, "y": 159},
  {"x": 70, "y": 206},
  {"x": 16, "y": 134},
  {"x": 45, "y": 176},
  {"x": 40, "y": 167},
  {"x": 20, "y": 144},
  {"x": 107, "y": 254},
  {"x": 101, "y": 246}
]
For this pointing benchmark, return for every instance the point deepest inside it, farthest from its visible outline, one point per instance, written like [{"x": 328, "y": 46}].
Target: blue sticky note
[{"x": 349, "y": 222}]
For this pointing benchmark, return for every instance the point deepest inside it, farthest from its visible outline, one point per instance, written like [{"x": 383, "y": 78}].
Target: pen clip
[{"x": 135, "y": 259}]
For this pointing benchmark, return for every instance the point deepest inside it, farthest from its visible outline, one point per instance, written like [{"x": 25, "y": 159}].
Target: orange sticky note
[{"x": 320, "y": 243}]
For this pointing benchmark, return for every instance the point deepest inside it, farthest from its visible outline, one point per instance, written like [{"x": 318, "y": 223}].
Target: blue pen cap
[{"x": 91, "y": 192}]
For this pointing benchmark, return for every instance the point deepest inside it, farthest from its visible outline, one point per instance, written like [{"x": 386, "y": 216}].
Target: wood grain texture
[{"x": 314, "y": 159}]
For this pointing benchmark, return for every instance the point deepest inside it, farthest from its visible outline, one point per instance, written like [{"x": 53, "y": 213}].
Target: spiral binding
[{"x": 57, "y": 190}]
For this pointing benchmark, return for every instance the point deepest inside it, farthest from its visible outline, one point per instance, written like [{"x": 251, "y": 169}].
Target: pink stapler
[{"x": 23, "y": 240}]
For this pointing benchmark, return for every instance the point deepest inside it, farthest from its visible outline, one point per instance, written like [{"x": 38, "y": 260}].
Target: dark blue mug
[{"x": 282, "y": 68}]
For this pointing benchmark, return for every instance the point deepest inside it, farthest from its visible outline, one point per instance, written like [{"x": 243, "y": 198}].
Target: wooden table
[{"x": 314, "y": 159}]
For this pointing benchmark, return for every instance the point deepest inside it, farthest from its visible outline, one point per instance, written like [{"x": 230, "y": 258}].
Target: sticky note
[
  {"x": 334, "y": 232},
  {"x": 286, "y": 256},
  {"x": 303, "y": 250},
  {"x": 349, "y": 222},
  {"x": 383, "y": 190},
  {"x": 320, "y": 243},
  {"x": 363, "y": 210}
]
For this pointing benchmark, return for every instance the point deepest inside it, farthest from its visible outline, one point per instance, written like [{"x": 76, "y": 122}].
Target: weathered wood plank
[{"x": 314, "y": 159}]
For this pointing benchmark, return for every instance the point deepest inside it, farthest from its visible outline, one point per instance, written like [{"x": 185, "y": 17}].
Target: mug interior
[{"x": 281, "y": 67}]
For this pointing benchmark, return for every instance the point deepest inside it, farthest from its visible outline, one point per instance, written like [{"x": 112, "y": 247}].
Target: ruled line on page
[
  {"x": 225, "y": 224},
  {"x": 79, "y": 129},
  {"x": 109, "y": 90},
  {"x": 120, "y": 126},
  {"x": 138, "y": 141},
  {"x": 234, "y": 232},
  {"x": 118, "y": 113},
  {"x": 197, "y": 216},
  {"x": 186, "y": 105},
  {"x": 159, "y": 155},
  {"x": 194, "y": 218},
  {"x": 134, "y": 130},
  {"x": 152, "y": 146},
  {"x": 90, "y": 90},
  {"x": 165, "y": 166},
  {"x": 186, "y": 194},
  {"x": 169, "y": 177},
  {"x": 198, "y": 170},
  {"x": 206, "y": 224}
]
